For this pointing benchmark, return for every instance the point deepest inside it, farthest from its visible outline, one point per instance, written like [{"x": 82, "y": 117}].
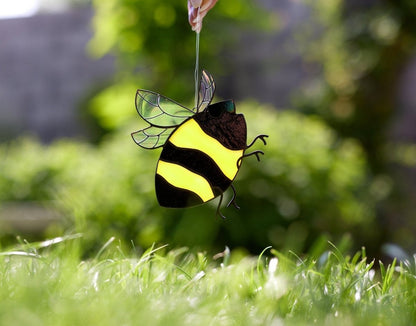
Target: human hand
[{"x": 197, "y": 9}]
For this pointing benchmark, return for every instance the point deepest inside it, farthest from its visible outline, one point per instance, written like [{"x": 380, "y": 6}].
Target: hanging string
[
  {"x": 196, "y": 76},
  {"x": 196, "y": 73}
]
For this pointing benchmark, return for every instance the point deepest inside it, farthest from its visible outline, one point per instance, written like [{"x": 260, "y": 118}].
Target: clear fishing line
[{"x": 196, "y": 73}]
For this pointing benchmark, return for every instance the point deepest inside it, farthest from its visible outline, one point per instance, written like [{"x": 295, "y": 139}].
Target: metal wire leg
[
  {"x": 218, "y": 208},
  {"x": 258, "y": 137},
  {"x": 257, "y": 153},
  {"x": 232, "y": 201}
]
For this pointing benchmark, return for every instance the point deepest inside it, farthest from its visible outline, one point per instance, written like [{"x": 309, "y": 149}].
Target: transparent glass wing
[
  {"x": 151, "y": 137},
  {"x": 206, "y": 90},
  {"x": 160, "y": 111}
]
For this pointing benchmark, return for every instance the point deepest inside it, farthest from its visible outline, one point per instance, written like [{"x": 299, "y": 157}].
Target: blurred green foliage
[
  {"x": 308, "y": 182},
  {"x": 154, "y": 41},
  {"x": 362, "y": 48},
  {"x": 155, "y": 49}
]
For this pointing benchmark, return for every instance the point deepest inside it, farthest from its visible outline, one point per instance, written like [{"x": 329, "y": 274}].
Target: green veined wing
[
  {"x": 160, "y": 111},
  {"x": 151, "y": 137},
  {"x": 206, "y": 90},
  {"x": 164, "y": 114}
]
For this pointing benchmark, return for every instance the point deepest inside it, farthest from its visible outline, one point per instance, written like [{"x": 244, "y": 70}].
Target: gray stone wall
[
  {"x": 269, "y": 66},
  {"x": 44, "y": 73}
]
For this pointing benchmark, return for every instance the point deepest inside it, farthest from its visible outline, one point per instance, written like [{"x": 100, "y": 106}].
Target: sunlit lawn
[{"x": 49, "y": 284}]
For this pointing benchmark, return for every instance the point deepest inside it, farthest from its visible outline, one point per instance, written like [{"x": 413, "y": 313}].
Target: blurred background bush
[
  {"x": 309, "y": 182},
  {"x": 327, "y": 80}
]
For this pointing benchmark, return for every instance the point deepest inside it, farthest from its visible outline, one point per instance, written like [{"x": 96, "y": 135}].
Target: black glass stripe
[
  {"x": 171, "y": 196},
  {"x": 229, "y": 128},
  {"x": 197, "y": 162}
]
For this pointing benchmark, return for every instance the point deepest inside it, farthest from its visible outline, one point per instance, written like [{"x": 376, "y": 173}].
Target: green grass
[{"x": 48, "y": 283}]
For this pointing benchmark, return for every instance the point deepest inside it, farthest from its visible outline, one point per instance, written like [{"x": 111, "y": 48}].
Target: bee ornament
[{"x": 202, "y": 150}]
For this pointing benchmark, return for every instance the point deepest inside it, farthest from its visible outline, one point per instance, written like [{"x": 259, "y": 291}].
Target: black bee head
[{"x": 217, "y": 109}]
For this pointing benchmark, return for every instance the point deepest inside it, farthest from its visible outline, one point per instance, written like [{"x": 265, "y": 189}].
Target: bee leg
[
  {"x": 258, "y": 137},
  {"x": 218, "y": 208},
  {"x": 257, "y": 153},
  {"x": 232, "y": 201}
]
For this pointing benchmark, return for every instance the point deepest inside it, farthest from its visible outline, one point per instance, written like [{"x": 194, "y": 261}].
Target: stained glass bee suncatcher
[{"x": 202, "y": 150}]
